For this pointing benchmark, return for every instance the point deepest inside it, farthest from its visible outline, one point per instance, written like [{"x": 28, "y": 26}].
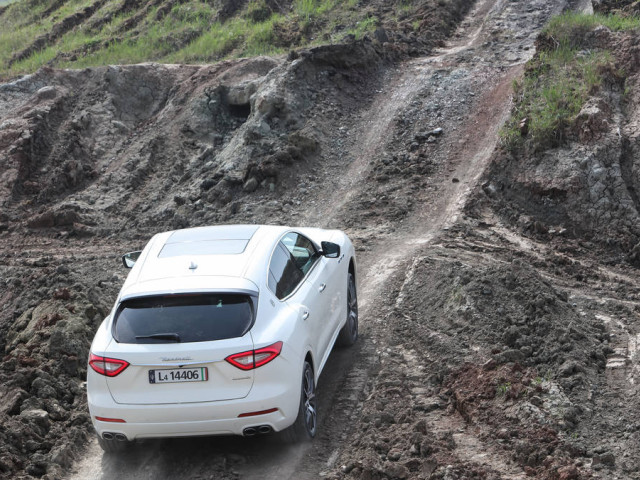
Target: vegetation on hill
[
  {"x": 560, "y": 79},
  {"x": 81, "y": 33}
]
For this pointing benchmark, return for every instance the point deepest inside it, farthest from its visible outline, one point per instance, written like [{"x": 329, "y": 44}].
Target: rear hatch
[{"x": 176, "y": 346}]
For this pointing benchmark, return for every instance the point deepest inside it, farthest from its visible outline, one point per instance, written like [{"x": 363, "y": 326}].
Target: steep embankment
[{"x": 571, "y": 148}]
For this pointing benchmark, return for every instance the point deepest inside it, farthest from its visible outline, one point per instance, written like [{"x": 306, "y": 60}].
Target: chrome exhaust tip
[
  {"x": 263, "y": 429},
  {"x": 107, "y": 436},
  {"x": 249, "y": 432},
  {"x": 121, "y": 437}
]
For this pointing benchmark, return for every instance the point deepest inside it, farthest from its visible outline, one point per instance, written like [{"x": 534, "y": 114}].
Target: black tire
[
  {"x": 306, "y": 424},
  {"x": 349, "y": 333},
  {"x": 113, "y": 446}
]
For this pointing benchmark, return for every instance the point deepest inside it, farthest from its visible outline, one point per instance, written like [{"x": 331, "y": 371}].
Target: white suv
[{"x": 222, "y": 330}]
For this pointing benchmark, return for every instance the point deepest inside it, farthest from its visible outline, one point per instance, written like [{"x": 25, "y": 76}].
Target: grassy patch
[
  {"x": 308, "y": 9},
  {"x": 363, "y": 27},
  {"x": 559, "y": 80},
  {"x": 503, "y": 389},
  {"x": 221, "y": 39},
  {"x": 190, "y": 32},
  {"x": 569, "y": 29},
  {"x": 22, "y": 23}
]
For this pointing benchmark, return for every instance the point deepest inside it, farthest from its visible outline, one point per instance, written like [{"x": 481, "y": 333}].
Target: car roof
[{"x": 232, "y": 257}]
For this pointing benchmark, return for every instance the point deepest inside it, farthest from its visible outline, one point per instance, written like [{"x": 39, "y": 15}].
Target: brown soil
[{"x": 493, "y": 346}]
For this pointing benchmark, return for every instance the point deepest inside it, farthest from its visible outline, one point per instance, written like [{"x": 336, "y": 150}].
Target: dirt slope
[{"x": 488, "y": 350}]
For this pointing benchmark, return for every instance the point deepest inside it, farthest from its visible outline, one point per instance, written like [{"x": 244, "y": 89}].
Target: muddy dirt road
[{"x": 413, "y": 157}]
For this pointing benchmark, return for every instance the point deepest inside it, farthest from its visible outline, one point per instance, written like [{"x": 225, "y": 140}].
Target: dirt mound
[
  {"x": 43, "y": 411},
  {"x": 192, "y": 137},
  {"x": 494, "y": 342}
]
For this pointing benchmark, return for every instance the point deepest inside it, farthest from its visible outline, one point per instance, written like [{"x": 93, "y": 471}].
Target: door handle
[
  {"x": 305, "y": 315},
  {"x": 322, "y": 287}
]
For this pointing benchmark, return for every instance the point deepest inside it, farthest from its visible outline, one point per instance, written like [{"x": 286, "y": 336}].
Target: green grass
[
  {"x": 22, "y": 23},
  {"x": 308, "y": 9},
  {"x": 405, "y": 7},
  {"x": 570, "y": 28},
  {"x": 503, "y": 389},
  {"x": 559, "y": 80},
  {"x": 249, "y": 38},
  {"x": 190, "y": 32},
  {"x": 363, "y": 27}
]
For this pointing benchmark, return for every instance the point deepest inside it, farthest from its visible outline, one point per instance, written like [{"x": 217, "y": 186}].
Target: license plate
[{"x": 176, "y": 375}]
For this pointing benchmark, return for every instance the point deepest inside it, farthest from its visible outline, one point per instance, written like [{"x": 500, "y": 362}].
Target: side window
[
  {"x": 302, "y": 249},
  {"x": 292, "y": 258},
  {"x": 284, "y": 275}
]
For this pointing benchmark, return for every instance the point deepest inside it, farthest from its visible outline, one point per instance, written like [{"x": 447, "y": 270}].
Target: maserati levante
[{"x": 222, "y": 330}]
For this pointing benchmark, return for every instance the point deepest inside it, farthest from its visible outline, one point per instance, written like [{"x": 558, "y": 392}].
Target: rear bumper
[{"x": 193, "y": 419}]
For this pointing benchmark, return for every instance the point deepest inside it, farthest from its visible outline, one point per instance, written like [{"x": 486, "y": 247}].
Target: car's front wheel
[
  {"x": 349, "y": 333},
  {"x": 306, "y": 424}
]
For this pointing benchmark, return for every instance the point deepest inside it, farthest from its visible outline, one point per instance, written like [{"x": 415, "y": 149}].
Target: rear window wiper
[{"x": 161, "y": 336}]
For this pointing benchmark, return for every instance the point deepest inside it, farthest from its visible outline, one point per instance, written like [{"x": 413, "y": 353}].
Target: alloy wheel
[
  {"x": 352, "y": 302},
  {"x": 309, "y": 392}
]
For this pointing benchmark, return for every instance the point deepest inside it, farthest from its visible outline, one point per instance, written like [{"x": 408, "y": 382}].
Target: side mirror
[
  {"x": 330, "y": 249},
  {"x": 129, "y": 259}
]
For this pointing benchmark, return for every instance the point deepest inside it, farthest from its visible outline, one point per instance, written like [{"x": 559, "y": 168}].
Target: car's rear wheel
[
  {"x": 113, "y": 445},
  {"x": 306, "y": 424},
  {"x": 349, "y": 333}
]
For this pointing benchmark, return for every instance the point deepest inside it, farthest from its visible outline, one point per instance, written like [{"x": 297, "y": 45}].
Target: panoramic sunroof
[
  {"x": 222, "y": 232},
  {"x": 211, "y": 247},
  {"x": 218, "y": 240}
]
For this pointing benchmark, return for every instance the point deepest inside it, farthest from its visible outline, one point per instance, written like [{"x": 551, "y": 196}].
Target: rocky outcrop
[{"x": 208, "y": 134}]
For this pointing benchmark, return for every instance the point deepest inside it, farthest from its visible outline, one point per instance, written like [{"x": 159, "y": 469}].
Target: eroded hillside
[{"x": 498, "y": 290}]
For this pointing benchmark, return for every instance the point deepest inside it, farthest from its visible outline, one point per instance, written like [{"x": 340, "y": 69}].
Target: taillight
[
  {"x": 109, "y": 367},
  {"x": 255, "y": 414},
  {"x": 255, "y": 358},
  {"x": 113, "y": 420}
]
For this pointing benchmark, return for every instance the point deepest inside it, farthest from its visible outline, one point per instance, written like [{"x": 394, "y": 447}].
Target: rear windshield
[{"x": 183, "y": 318}]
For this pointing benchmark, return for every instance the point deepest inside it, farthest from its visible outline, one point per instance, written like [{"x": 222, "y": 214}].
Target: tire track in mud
[
  {"x": 463, "y": 160},
  {"x": 614, "y": 393},
  {"x": 403, "y": 85}
]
